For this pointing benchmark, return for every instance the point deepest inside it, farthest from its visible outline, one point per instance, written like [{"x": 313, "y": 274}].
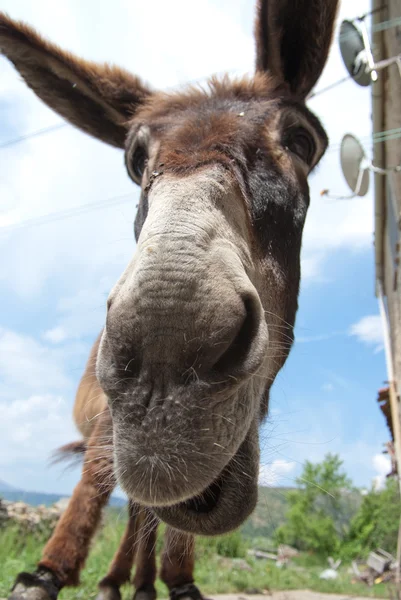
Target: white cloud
[
  {"x": 83, "y": 313},
  {"x": 327, "y": 387},
  {"x": 308, "y": 339},
  {"x": 33, "y": 427},
  {"x": 36, "y": 397},
  {"x": 272, "y": 474},
  {"x": 335, "y": 224},
  {"x": 28, "y": 366},
  {"x": 312, "y": 424},
  {"x": 55, "y": 335},
  {"x": 382, "y": 465},
  {"x": 369, "y": 331}
]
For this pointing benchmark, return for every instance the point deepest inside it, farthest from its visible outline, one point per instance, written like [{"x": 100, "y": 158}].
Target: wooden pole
[
  {"x": 395, "y": 417},
  {"x": 393, "y": 396}
]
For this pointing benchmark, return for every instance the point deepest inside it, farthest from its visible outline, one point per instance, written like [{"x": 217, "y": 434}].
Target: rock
[
  {"x": 235, "y": 563},
  {"x": 30, "y": 518},
  {"x": 3, "y": 513},
  {"x": 61, "y": 504},
  {"x": 328, "y": 574}
]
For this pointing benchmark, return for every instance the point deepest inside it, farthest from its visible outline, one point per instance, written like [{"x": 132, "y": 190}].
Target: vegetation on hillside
[
  {"x": 222, "y": 566},
  {"x": 327, "y": 516},
  {"x": 376, "y": 523},
  {"x": 324, "y": 516}
]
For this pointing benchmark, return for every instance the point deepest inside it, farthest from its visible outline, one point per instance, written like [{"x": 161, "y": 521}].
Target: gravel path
[{"x": 292, "y": 595}]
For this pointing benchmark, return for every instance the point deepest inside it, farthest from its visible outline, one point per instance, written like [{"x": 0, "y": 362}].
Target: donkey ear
[
  {"x": 293, "y": 39},
  {"x": 99, "y": 99}
]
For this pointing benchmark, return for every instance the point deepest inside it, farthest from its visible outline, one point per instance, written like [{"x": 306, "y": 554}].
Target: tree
[
  {"x": 319, "y": 510},
  {"x": 376, "y": 523}
]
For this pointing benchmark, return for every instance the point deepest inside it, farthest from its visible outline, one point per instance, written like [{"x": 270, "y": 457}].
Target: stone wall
[{"x": 29, "y": 518}]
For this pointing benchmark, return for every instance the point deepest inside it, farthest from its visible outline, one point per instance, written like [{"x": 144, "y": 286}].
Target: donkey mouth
[{"x": 226, "y": 502}]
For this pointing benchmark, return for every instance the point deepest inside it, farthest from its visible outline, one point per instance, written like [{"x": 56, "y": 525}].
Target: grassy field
[{"x": 217, "y": 569}]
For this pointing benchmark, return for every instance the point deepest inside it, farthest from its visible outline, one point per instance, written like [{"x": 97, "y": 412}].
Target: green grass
[{"x": 216, "y": 571}]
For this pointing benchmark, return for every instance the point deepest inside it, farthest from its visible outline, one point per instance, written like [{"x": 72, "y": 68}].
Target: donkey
[
  {"x": 139, "y": 540},
  {"x": 202, "y": 319}
]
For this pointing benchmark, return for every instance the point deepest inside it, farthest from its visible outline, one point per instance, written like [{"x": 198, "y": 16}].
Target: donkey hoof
[
  {"x": 42, "y": 585},
  {"x": 188, "y": 591},
  {"x": 22, "y": 593},
  {"x": 108, "y": 592},
  {"x": 145, "y": 593}
]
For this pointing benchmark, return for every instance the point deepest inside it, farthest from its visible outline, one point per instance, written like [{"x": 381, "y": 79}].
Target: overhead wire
[
  {"x": 375, "y": 28},
  {"x": 33, "y": 134},
  {"x": 377, "y": 137},
  {"x": 382, "y": 26},
  {"x": 328, "y": 87},
  {"x": 67, "y": 214},
  {"x": 62, "y": 125}
]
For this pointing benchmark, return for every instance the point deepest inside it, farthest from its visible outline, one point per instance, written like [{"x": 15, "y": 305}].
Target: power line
[
  {"x": 329, "y": 87},
  {"x": 37, "y": 133},
  {"x": 374, "y": 28},
  {"x": 386, "y": 25},
  {"x": 67, "y": 214},
  {"x": 387, "y": 134},
  {"x": 376, "y": 138}
]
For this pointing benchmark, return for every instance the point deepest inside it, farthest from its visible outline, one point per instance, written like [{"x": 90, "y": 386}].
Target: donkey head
[{"x": 202, "y": 319}]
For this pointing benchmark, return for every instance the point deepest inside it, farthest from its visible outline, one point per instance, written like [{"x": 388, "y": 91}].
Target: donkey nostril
[
  {"x": 237, "y": 354},
  {"x": 109, "y": 303}
]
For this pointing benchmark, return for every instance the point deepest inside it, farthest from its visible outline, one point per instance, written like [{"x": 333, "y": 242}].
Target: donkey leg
[
  {"x": 64, "y": 554},
  {"x": 145, "y": 564},
  {"x": 120, "y": 568},
  {"x": 177, "y": 569}
]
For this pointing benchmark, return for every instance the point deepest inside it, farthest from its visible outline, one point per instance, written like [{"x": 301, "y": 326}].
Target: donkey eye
[
  {"x": 300, "y": 142},
  {"x": 138, "y": 162}
]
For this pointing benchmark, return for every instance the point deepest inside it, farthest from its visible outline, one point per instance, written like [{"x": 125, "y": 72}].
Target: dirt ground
[{"x": 293, "y": 595}]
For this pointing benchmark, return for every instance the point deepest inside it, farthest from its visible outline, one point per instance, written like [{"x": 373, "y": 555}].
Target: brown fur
[
  {"x": 90, "y": 400},
  {"x": 178, "y": 559},
  {"x": 102, "y": 97},
  {"x": 190, "y": 141},
  {"x": 145, "y": 572},
  {"x": 120, "y": 568},
  {"x": 66, "y": 551},
  {"x": 282, "y": 30}
]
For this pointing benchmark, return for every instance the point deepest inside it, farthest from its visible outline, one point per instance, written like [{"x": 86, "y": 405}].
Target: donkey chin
[
  {"x": 191, "y": 482},
  {"x": 225, "y": 503}
]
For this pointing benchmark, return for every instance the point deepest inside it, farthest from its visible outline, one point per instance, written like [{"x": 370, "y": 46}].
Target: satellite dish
[
  {"x": 353, "y": 52},
  {"x": 355, "y": 165},
  {"x": 356, "y": 168}
]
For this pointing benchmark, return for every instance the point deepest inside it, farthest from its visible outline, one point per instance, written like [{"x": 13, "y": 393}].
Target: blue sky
[{"x": 55, "y": 278}]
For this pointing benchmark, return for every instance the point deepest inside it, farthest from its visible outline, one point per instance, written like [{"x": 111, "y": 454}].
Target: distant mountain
[
  {"x": 35, "y": 498},
  {"x": 5, "y": 487},
  {"x": 272, "y": 506},
  {"x": 269, "y": 512}
]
